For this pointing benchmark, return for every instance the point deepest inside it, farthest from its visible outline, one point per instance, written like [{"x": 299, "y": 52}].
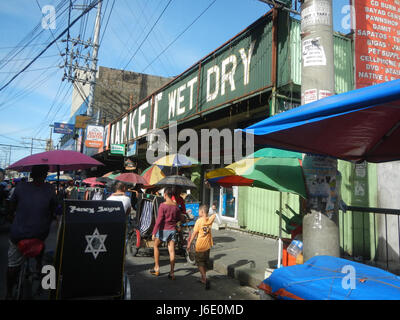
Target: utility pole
[
  {"x": 94, "y": 62},
  {"x": 34, "y": 139},
  {"x": 77, "y": 69},
  {"x": 320, "y": 224}
]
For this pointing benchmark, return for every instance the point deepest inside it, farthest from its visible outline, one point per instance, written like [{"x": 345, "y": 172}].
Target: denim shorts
[{"x": 166, "y": 235}]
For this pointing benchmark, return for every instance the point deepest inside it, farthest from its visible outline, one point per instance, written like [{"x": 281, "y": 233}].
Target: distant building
[{"x": 115, "y": 91}]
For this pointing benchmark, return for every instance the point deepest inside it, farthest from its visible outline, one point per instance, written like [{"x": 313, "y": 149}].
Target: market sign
[
  {"x": 238, "y": 69},
  {"x": 377, "y": 41},
  {"x": 117, "y": 149},
  {"x": 94, "y": 136},
  {"x": 63, "y": 128}
]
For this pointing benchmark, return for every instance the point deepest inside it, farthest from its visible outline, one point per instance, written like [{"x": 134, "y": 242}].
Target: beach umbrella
[
  {"x": 176, "y": 180},
  {"x": 277, "y": 174},
  {"x": 153, "y": 174}
]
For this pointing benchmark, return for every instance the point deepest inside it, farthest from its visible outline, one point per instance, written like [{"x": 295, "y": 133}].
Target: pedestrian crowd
[{"x": 31, "y": 207}]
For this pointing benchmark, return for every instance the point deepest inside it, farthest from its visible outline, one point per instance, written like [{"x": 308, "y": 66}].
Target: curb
[{"x": 246, "y": 274}]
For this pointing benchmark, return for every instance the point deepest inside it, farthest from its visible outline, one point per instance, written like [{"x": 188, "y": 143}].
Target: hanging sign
[
  {"x": 94, "y": 136},
  {"x": 118, "y": 149}
]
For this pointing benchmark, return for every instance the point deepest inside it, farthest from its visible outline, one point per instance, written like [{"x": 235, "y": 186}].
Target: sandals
[
  {"x": 155, "y": 273},
  {"x": 171, "y": 277}
]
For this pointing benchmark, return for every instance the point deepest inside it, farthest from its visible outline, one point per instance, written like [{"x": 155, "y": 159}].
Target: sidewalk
[{"x": 243, "y": 256}]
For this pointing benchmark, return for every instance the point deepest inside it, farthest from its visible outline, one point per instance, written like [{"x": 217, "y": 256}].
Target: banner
[
  {"x": 63, "y": 128},
  {"x": 117, "y": 149},
  {"x": 377, "y": 41},
  {"x": 94, "y": 136}
]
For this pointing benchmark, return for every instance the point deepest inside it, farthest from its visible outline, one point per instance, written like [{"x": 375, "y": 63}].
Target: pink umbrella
[
  {"x": 92, "y": 182},
  {"x": 57, "y": 160}
]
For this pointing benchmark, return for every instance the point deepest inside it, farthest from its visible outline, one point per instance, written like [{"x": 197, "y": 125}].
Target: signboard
[
  {"x": 94, "y": 136},
  {"x": 117, "y": 149},
  {"x": 90, "y": 244},
  {"x": 237, "y": 69},
  {"x": 81, "y": 121},
  {"x": 132, "y": 149},
  {"x": 63, "y": 128},
  {"x": 377, "y": 41}
]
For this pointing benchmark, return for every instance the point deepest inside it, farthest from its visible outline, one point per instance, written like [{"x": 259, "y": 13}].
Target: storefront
[{"x": 254, "y": 75}]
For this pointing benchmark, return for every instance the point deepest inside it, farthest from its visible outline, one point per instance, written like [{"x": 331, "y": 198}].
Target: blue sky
[{"x": 39, "y": 98}]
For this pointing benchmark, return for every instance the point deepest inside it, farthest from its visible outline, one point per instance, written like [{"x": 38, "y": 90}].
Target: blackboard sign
[{"x": 90, "y": 250}]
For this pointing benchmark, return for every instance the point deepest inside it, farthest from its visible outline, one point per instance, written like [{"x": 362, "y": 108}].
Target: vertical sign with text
[{"x": 377, "y": 41}]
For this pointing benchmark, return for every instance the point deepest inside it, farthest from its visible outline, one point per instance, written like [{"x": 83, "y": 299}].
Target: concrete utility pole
[
  {"x": 320, "y": 224},
  {"x": 94, "y": 61}
]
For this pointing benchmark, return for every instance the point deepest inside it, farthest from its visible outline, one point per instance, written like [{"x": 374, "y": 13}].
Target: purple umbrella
[{"x": 57, "y": 160}]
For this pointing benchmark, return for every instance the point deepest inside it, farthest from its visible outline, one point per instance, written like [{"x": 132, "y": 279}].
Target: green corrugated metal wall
[
  {"x": 342, "y": 54},
  {"x": 357, "y": 230},
  {"x": 257, "y": 209}
]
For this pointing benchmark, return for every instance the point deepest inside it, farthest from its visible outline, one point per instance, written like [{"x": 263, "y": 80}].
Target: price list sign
[{"x": 377, "y": 41}]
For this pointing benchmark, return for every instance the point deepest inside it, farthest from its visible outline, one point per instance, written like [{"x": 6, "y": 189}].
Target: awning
[{"x": 359, "y": 125}]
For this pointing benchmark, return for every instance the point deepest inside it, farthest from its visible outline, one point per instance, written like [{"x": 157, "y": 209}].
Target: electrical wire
[
  {"x": 147, "y": 35},
  {"x": 179, "y": 35},
  {"x": 51, "y": 43}
]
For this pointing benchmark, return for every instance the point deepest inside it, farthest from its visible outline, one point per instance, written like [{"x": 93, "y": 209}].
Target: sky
[{"x": 133, "y": 34}]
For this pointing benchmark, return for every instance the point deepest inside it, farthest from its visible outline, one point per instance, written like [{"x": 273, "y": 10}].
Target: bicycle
[
  {"x": 185, "y": 231},
  {"x": 28, "y": 284}
]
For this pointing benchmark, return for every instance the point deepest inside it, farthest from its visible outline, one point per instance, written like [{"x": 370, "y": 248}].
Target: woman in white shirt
[{"x": 119, "y": 195}]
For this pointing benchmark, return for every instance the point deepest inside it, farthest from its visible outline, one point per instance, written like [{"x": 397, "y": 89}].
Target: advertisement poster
[
  {"x": 94, "y": 136},
  {"x": 377, "y": 41}
]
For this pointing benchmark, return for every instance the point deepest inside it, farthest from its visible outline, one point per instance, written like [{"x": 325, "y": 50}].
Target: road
[{"x": 145, "y": 286}]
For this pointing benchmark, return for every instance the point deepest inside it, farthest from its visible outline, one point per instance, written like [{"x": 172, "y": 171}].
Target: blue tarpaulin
[
  {"x": 331, "y": 278},
  {"x": 362, "y": 124}
]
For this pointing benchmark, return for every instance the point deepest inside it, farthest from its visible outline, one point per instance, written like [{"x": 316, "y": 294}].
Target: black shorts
[{"x": 202, "y": 258}]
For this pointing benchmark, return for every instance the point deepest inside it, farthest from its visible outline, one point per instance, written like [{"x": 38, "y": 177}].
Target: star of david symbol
[{"x": 95, "y": 243}]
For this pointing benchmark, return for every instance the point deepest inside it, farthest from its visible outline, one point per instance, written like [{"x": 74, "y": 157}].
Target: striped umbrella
[
  {"x": 176, "y": 160},
  {"x": 272, "y": 173},
  {"x": 153, "y": 174}
]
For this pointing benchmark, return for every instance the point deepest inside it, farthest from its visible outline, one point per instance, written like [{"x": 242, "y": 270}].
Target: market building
[{"x": 254, "y": 75}]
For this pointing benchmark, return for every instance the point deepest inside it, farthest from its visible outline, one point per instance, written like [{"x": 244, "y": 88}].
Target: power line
[
  {"x": 159, "y": 17},
  {"x": 45, "y": 68},
  {"x": 173, "y": 41},
  {"x": 95, "y": 2}
]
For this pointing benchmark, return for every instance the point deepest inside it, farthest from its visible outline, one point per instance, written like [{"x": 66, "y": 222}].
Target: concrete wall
[
  {"x": 115, "y": 87},
  {"x": 388, "y": 197}
]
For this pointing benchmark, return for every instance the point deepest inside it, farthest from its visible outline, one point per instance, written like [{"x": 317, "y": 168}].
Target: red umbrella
[
  {"x": 131, "y": 177},
  {"x": 57, "y": 160}
]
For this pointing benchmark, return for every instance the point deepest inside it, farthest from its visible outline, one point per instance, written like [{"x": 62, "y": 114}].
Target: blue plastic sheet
[{"x": 331, "y": 278}]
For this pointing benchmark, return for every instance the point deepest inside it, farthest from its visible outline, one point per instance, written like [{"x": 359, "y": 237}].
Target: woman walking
[{"x": 165, "y": 231}]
